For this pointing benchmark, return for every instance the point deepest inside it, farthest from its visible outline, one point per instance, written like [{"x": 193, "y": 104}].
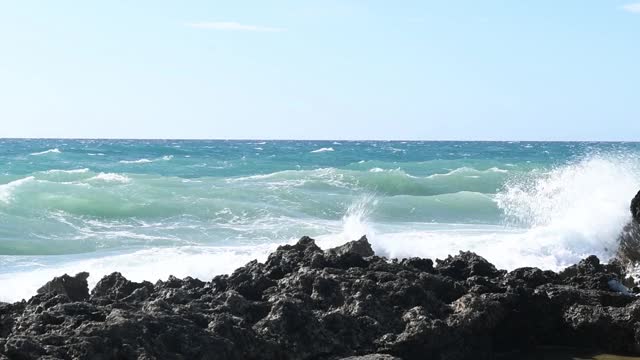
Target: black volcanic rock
[
  {"x": 635, "y": 207},
  {"x": 359, "y": 247},
  {"x": 628, "y": 251},
  {"x": 344, "y": 303},
  {"x": 629, "y": 244},
  {"x": 372, "y": 357},
  {"x": 74, "y": 287},
  {"x": 466, "y": 264},
  {"x": 117, "y": 287}
]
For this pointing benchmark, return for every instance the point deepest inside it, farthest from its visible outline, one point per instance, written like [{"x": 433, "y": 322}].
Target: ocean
[{"x": 154, "y": 208}]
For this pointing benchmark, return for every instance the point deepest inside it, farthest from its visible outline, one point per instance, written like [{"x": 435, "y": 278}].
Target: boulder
[
  {"x": 372, "y": 357},
  {"x": 343, "y": 303},
  {"x": 466, "y": 264},
  {"x": 628, "y": 251},
  {"x": 74, "y": 287},
  {"x": 360, "y": 247}
]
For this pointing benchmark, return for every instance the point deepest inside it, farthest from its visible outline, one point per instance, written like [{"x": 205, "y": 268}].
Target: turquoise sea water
[{"x": 200, "y": 208}]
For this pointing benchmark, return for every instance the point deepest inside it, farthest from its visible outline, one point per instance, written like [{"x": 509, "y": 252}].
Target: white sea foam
[
  {"x": 146, "y": 161},
  {"x": 555, "y": 219},
  {"x": 157, "y": 263},
  {"x": 74, "y": 171},
  {"x": 498, "y": 170},
  {"x": 395, "y": 150},
  {"x": 558, "y": 218},
  {"x": 111, "y": 177},
  {"x": 50, "y": 151},
  {"x": 7, "y": 190},
  {"x": 139, "y": 161},
  {"x": 469, "y": 170},
  {"x": 321, "y": 150},
  {"x": 591, "y": 194}
]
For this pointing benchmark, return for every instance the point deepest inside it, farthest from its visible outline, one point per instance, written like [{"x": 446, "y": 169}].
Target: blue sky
[{"x": 466, "y": 69}]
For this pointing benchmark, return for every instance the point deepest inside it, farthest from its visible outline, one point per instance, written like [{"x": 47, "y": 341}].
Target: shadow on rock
[{"x": 342, "y": 303}]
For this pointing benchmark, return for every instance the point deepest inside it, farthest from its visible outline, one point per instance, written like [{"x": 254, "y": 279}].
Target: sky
[{"x": 262, "y": 69}]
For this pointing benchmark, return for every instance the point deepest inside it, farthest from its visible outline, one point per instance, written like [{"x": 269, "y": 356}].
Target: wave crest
[
  {"x": 321, "y": 150},
  {"x": 7, "y": 190},
  {"x": 111, "y": 177},
  {"x": 50, "y": 151}
]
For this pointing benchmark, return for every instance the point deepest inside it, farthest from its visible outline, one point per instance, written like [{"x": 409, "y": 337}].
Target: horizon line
[{"x": 325, "y": 140}]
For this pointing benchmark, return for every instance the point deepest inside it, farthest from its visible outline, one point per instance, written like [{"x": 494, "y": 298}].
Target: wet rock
[
  {"x": 74, "y": 287},
  {"x": 628, "y": 251},
  {"x": 590, "y": 274},
  {"x": 635, "y": 207},
  {"x": 529, "y": 277},
  {"x": 372, "y": 357},
  {"x": 287, "y": 258},
  {"x": 360, "y": 247},
  {"x": 466, "y": 264},
  {"x": 344, "y": 303},
  {"x": 629, "y": 244},
  {"x": 115, "y": 287},
  {"x": 252, "y": 280},
  {"x": 425, "y": 265}
]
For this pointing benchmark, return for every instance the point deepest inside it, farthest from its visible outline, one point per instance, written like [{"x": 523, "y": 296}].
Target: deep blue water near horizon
[{"x": 150, "y": 208}]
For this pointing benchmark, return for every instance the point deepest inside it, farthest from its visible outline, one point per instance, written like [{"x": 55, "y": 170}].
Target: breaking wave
[
  {"x": 321, "y": 150},
  {"x": 211, "y": 212},
  {"x": 50, "y": 151}
]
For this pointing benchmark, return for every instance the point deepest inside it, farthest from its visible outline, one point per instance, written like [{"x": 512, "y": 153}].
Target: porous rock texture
[
  {"x": 629, "y": 240},
  {"x": 343, "y": 303}
]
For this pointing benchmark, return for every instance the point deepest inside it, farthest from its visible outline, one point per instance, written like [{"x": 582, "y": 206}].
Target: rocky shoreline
[{"x": 306, "y": 303}]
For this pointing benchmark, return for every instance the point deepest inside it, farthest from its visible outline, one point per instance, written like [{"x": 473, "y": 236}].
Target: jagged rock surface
[
  {"x": 628, "y": 251},
  {"x": 305, "y": 303}
]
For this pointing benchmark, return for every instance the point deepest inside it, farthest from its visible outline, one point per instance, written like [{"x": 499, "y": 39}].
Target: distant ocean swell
[{"x": 203, "y": 208}]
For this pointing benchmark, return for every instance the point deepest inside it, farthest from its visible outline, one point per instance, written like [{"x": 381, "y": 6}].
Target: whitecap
[
  {"x": 111, "y": 177},
  {"x": 322, "y": 150},
  {"x": 7, "y": 190},
  {"x": 466, "y": 170},
  {"x": 498, "y": 170},
  {"x": 395, "y": 150},
  {"x": 50, "y": 151},
  {"x": 146, "y": 161},
  {"x": 139, "y": 161},
  {"x": 74, "y": 171}
]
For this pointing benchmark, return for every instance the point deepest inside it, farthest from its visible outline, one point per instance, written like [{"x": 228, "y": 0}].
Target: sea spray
[
  {"x": 563, "y": 215},
  {"x": 578, "y": 207},
  {"x": 355, "y": 223},
  {"x": 211, "y": 206}
]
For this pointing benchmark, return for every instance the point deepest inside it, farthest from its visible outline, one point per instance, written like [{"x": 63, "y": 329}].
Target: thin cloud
[
  {"x": 233, "y": 26},
  {"x": 632, "y": 8}
]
